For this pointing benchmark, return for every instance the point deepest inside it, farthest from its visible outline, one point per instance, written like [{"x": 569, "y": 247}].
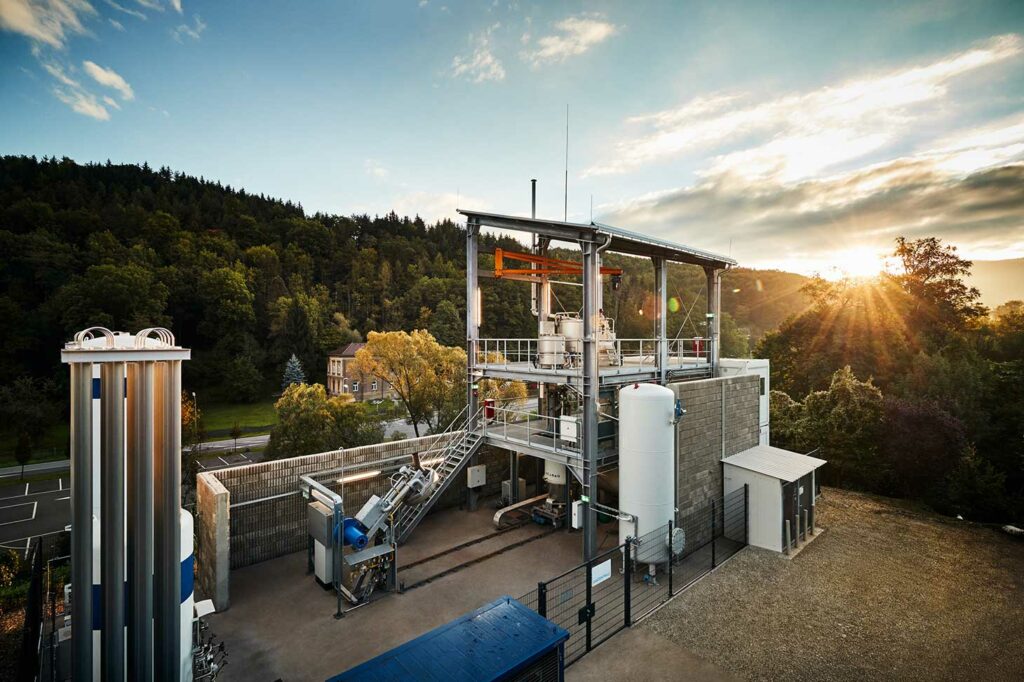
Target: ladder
[{"x": 454, "y": 449}]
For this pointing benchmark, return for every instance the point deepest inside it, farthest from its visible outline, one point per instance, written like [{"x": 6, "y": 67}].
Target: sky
[{"x": 804, "y": 135}]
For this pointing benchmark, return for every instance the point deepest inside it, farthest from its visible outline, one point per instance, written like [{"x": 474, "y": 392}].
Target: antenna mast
[{"x": 565, "y": 209}]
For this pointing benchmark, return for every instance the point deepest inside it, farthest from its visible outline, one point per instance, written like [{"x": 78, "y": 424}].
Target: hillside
[{"x": 999, "y": 281}]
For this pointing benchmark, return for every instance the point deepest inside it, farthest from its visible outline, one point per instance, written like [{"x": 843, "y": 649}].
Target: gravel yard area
[{"x": 887, "y": 592}]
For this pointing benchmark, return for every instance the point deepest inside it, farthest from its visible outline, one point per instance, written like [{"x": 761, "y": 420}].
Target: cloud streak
[
  {"x": 479, "y": 65},
  {"x": 802, "y": 134},
  {"x": 572, "y": 36},
  {"x": 109, "y": 79},
  {"x": 48, "y": 22}
]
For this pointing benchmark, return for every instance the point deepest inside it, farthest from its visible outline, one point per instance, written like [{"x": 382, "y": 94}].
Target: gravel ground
[{"x": 887, "y": 592}]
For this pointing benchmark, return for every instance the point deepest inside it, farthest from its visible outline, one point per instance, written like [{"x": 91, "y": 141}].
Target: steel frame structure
[{"x": 592, "y": 239}]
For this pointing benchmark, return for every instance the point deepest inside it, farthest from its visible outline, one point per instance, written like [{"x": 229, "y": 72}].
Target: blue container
[{"x": 498, "y": 641}]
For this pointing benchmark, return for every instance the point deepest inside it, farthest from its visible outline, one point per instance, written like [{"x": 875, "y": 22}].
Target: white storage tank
[{"x": 646, "y": 462}]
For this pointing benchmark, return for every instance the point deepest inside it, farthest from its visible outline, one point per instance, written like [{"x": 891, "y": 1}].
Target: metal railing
[
  {"x": 512, "y": 353},
  {"x": 528, "y": 428}
]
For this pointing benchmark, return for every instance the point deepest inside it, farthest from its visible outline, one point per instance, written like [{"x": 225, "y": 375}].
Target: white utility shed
[{"x": 782, "y": 486}]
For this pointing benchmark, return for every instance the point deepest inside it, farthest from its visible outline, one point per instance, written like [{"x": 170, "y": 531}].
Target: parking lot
[{"x": 32, "y": 508}]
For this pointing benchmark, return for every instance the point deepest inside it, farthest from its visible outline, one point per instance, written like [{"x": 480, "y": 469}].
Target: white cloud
[
  {"x": 480, "y": 65},
  {"x": 116, "y": 24},
  {"x": 45, "y": 21},
  {"x": 82, "y": 102},
  {"x": 176, "y": 4},
  {"x": 151, "y": 4},
  {"x": 109, "y": 78},
  {"x": 574, "y": 36},
  {"x": 57, "y": 71},
  {"x": 186, "y": 31},
  {"x": 131, "y": 12},
  {"x": 111, "y": 102},
  {"x": 424, "y": 3},
  {"x": 970, "y": 193},
  {"x": 806, "y": 133},
  {"x": 435, "y": 206},
  {"x": 374, "y": 169}
]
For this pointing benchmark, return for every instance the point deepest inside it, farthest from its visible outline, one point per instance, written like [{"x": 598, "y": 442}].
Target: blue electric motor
[{"x": 354, "y": 535}]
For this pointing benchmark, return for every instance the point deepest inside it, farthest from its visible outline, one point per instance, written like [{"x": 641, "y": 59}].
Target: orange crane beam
[{"x": 548, "y": 266}]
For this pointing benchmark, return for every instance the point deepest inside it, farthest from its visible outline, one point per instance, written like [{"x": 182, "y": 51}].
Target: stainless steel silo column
[
  {"x": 140, "y": 520},
  {"x": 167, "y": 522},
  {"x": 112, "y": 519},
  {"x": 81, "y": 529}
]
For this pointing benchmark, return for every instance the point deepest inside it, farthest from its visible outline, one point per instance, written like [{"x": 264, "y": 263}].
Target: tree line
[{"x": 907, "y": 385}]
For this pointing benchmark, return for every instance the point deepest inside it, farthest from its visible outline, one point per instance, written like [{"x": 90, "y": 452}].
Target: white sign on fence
[{"x": 600, "y": 573}]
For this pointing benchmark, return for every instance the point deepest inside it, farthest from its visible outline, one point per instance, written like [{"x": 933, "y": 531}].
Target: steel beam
[
  {"x": 112, "y": 519},
  {"x": 661, "y": 315},
  {"x": 591, "y": 384},
  {"x": 140, "y": 520},
  {"x": 472, "y": 316},
  {"x": 81, "y": 521},
  {"x": 167, "y": 523},
  {"x": 714, "y": 322}
]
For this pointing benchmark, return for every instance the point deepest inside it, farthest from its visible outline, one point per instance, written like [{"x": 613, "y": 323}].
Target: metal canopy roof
[
  {"x": 775, "y": 462},
  {"x": 622, "y": 241}
]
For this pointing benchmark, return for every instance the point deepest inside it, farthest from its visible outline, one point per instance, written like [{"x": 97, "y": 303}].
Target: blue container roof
[{"x": 488, "y": 644}]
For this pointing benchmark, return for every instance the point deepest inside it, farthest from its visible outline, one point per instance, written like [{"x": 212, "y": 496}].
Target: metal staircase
[{"x": 448, "y": 458}]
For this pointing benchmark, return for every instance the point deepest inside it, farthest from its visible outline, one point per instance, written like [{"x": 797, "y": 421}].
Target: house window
[
  {"x": 762, "y": 385},
  {"x": 345, "y": 388},
  {"x": 373, "y": 386},
  {"x": 355, "y": 387}
]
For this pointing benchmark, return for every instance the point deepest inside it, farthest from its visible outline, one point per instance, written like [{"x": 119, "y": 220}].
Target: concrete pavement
[{"x": 32, "y": 509}]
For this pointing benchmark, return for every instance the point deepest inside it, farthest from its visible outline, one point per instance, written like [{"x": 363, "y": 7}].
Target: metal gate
[
  {"x": 596, "y": 599},
  {"x": 590, "y": 601}
]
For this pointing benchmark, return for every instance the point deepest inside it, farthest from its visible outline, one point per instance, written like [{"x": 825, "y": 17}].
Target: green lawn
[
  {"x": 219, "y": 418},
  {"x": 52, "y": 445}
]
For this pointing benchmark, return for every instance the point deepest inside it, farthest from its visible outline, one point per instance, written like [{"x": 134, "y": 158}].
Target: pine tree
[{"x": 293, "y": 373}]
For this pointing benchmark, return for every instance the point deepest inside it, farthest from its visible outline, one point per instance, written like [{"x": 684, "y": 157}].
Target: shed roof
[
  {"x": 775, "y": 462},
  {"x": 622, "y": 241},
  {"x": 348, "y": 351},
  {"x": 488, "y": 644}
]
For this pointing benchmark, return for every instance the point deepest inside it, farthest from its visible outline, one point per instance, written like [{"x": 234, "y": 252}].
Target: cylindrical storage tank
[
  {"x": 572, "y": 329},
  {"x": 646, "y": 461},
  {"x": 554, "y": 473},
  {"x": 188, "y": 595},
  {"x": 551, "y": 351}
]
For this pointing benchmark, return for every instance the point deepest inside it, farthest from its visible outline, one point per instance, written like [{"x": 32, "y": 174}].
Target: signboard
[{"x": 600, "y": 573}]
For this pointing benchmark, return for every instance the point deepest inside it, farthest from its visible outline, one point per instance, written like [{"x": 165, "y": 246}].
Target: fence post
[
  {"x": 670, "y": 551},
  {"x": 542, "y": 599},
  {"x": 590, "y": 596},
  {"x": 627, "y": 586},
  {"x": 712, "y": 534},
  {"x": 746, "y": 513},
  {"x": 786, "y": 548}
]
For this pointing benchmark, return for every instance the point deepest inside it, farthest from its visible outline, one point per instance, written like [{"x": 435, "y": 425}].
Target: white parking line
[
  {"x": 28, "y": 544},
  {"x": 62, "y": 498},
  {"x": 35, "y": 505},
  {"x": 226, "y": 463}
]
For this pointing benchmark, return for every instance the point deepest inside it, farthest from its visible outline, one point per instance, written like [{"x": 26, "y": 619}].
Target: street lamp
[{"x": 195, "y": 422}]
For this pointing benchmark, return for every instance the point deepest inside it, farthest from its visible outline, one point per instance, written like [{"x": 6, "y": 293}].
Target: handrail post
[
  {"x": 670, "y": 552},
  {"x": 627, "y": 580},
  {"x": 542, "y": 599}
]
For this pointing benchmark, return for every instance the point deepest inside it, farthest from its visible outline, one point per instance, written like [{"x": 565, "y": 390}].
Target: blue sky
[{"x": 800, "y": 135}]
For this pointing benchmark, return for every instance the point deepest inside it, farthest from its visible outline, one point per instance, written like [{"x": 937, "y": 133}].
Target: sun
[{"x": 861, "y": 262}]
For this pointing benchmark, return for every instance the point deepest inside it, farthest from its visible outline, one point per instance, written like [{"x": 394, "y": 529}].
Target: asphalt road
[{"x": 31, "y": 509}]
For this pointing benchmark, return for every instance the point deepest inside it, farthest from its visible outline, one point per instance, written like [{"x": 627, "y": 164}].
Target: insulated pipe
[
  {"x": 472, "y": 318},
  {"x": 661, "y": 314},
  {"x": 81, "y": 526},
  {"x": 591, "y": 381},
  {"x": 167, "y": 523},
  {"x": 140, "y": 520},
  {"x": 112, "y": 521}
]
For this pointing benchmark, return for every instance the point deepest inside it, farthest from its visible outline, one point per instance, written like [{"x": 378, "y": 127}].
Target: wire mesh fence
[{"x": 596, "y": 599}]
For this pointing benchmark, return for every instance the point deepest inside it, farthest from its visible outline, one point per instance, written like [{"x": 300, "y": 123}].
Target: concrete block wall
[{"x": 703, "y": 439}]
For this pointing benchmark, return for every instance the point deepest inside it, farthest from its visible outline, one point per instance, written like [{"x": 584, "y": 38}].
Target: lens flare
[{"x": 673, "y": 305}]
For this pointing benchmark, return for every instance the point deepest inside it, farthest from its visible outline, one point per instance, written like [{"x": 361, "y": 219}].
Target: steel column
[
  {"x": 714, "y": 290},
  {"x": 661, "y": 315},
  {"x": 472, "y": 317},
  {"x": 112, "y": 519},
  {"x": 167, "y": 522},
  {"x": 140, "y": 520},
  {"x": 591, "y": 381},
  {"x": 81, "y": 520}
]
